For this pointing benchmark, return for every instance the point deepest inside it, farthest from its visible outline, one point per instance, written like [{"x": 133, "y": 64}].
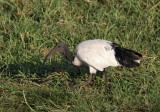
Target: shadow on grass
[{"x": 35, "y": 68}]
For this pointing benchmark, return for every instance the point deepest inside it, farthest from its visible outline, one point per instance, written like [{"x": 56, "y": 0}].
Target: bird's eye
[{"x": 59, "y": 46}]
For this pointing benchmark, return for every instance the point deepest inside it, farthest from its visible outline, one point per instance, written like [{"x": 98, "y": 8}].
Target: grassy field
[{"x": 30, "y": 28}]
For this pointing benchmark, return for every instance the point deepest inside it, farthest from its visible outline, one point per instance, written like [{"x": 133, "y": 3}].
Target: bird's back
[
  {"x": 93, "y": 43},
  {"x": 100, "y": 54},
  {"x": 96, "y": 53}
]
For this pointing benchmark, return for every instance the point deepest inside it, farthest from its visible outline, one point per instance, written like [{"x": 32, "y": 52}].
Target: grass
[{"x": 30, "y": 28}]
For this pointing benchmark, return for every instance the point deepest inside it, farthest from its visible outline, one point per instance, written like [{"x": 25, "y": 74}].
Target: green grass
[{"x": 30, "y": 28}]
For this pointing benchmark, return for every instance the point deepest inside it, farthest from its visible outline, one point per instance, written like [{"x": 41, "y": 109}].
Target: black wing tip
[
  {"x": 138, "y": 54},
  {"x": 115, "y": 45},
  {"x": 131, "y": 65},
  {"x": 126, "y": 57}
]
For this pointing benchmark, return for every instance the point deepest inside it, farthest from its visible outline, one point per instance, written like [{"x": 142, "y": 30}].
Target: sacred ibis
[{"x": 97, "y": 54}]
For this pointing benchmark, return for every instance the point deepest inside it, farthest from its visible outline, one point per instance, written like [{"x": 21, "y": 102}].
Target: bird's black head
[{"x": 61, "y": 48}]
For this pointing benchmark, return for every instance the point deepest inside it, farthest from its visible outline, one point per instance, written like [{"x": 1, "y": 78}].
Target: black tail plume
[{"x": 126, "y": 57}]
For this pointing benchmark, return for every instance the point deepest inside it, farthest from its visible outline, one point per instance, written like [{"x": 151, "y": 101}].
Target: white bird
[{"x": 97, "y": 54}]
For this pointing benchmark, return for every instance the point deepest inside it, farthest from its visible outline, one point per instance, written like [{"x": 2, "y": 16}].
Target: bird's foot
[
  {"x": 89, "y": 81},
  {"x": 82, "y": 84}
]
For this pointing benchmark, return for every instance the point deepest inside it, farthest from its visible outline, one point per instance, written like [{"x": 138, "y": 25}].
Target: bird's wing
[{"x": 98, "y": 57}]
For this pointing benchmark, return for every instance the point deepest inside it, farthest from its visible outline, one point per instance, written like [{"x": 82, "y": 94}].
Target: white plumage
[{"x": 98, "y": 54}]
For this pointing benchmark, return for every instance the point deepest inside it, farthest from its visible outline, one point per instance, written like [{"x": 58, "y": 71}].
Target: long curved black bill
[{"x": 52, "y": 52}]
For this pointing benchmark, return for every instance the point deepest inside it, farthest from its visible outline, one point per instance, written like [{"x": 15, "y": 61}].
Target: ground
[{"x": 30, "y": 28}]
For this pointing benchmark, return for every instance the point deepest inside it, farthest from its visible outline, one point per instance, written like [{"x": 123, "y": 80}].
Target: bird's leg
[
  {"x": 89, "y": 80},
  {"x": 106, "y": 82}
]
